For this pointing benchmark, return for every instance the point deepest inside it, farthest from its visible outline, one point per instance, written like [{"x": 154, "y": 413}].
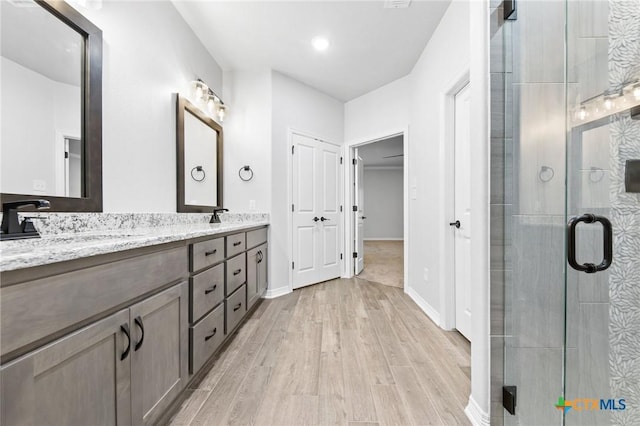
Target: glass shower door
[{"x": 602, "y": 328}]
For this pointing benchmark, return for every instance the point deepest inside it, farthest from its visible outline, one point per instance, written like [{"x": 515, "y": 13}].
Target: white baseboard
[
  {"x": 426, "y": 308},
  {"x": 477, "y": 416},
  {"x": 383, "y": 239},
  {"x": 277, "y": 292}
]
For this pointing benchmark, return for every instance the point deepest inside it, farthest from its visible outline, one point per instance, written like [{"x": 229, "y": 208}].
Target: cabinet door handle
[
  {"x": 260, "y": 256},
  {"x": 140, "y": 325},
  {"x": 125, "y": 329},
  {"x": 237, "y": 243},
  {"x": 236, "y": 272},
  {"x": 211, "y": 289},
  {"x": 209, "y": 253},
  {"x": 238, "y": 306},
  {"x": 213, "y": 333}
]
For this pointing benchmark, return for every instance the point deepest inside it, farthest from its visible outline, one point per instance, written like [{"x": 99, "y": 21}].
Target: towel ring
[
  {"x": 543, "y": 170},
  {"x": 245, "y": 169},
  {"x": 596, "y": 174},
  {"x": 198, "y": 169}
]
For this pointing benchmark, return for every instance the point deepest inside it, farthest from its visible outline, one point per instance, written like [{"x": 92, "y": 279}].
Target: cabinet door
[
  {"x": 80, "y": 379},
  {"x": 262, "y": 270},
  {"x": 159, "y": 347},
  {"x": 253, "y": 293}
]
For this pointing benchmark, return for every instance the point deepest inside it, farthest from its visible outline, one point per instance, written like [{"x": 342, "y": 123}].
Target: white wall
[
  {"x": 299, "y": 107},
  {"x": 34, "y": 108},
  {"x": 383, "y": 203},
  {"x": 247, "y": 140},
  {"x": 445, "y": 57},
  {"x": 149, "y": 54},
  {"x": 377, "y": 113}
]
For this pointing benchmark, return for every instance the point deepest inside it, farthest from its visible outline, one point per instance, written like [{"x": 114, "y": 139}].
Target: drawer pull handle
[
  {"x": 209, "y": 253},
  {"x": 211, "y": 335},
  {"x": 236, "y": 272},
  {"x": 139, "y": 323},
  {"x": 125, "y": 329},
  {"x": 237, "y": 307},
  {"x": 211, "y": 290},
  {"x": 237, "y": 243}
]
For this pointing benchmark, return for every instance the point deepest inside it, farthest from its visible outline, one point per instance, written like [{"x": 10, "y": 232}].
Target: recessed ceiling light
[{"x": 320, "y": 43}]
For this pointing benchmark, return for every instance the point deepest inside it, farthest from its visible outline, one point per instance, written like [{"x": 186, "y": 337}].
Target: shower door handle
[{"x": 607, "y": 236}]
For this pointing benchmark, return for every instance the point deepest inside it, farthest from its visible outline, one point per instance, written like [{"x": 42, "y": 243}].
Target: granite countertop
[{"x": 18, "y": 254}]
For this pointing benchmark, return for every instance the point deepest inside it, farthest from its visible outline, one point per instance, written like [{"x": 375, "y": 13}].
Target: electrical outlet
[
  {"x": 252, "y": 205},
  {"x": 426, "y": 274},
  {"x": 39, "y": 185}
]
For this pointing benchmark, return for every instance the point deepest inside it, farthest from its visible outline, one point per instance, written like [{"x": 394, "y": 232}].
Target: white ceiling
[
  {"x": 370, "y": 45},
  {"x": 373, "y": 154},
  {"x": 35, "y": 39}
]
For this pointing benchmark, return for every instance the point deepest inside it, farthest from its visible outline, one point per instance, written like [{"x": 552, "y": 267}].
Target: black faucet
[
  {"x": 215, "y": 218},
  {"x": 12, "y": 229}
]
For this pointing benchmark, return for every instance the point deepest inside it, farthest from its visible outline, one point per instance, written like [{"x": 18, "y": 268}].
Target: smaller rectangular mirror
[{"x": 199, "y": 144}]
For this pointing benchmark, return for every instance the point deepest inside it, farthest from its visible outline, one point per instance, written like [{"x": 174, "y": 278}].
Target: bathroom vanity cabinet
[{"x": 116, "y": 338}]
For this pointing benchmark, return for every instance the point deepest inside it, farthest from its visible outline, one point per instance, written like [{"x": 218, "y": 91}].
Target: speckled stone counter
[{"x": 69, "y": 236}]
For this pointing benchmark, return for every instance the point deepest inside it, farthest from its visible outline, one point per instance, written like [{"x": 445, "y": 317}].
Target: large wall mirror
[
  {"x": 199, "y": 143},
  {"x": 51, "y": 84}
]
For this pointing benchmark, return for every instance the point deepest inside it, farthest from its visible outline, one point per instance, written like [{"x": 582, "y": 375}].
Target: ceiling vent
[{"x": 396, "y": 4}]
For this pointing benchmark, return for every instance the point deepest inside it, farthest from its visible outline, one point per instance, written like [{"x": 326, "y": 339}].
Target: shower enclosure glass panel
[{"x": 572, "y": 338}]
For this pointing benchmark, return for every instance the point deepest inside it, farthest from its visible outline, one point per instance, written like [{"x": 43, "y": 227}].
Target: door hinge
[
  {"x": 509, "y": 399},
  {"x": 293, "y": 148},
  {"x": 355, "y": 208},
  {"x": 293, "y": 265},
  {"x": 340, "y": 160},
  {"x": 340, "y": 208},
  {"x": 293, "y": 208},
  {"x": 340, "y": 256},
  {"x": 354, "y": 162},
  {"x": 355, "y": 255},
  {"x": 66, "y": 154}
]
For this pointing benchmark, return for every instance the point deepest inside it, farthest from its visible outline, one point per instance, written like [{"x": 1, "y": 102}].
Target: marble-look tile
[
  {"x": 498, "y": 413},
  {"x": 537, "y": 372},
  {"x": 588, "y": 67},
  {"x": 588, "y": 19},
  {"x": 538, "y": 39},
  {"x": 501, "y": 171},
  {"x": 497, "y": 367},
  {"x": 500, "y": 314},
  {"x": 538, "y": 281},
  {"x": 497, "y": 87},
  {"x": 500, "y": 236}
]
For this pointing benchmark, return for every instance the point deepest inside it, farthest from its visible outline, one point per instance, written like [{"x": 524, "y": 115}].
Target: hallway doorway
[{"x": 378, "y": 211}]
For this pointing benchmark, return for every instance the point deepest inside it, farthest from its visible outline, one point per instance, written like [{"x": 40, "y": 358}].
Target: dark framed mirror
[
  {"x": 200, "y": 155},
  {"x": 51, "y": 105}
]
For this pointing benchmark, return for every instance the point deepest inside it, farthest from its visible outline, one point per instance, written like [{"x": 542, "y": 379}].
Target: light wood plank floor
[
  {"x": 383, "y": 263},
  {"x": 345, "y": 352}
]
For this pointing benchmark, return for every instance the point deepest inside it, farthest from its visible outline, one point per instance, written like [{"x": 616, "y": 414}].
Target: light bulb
[
  {"x": 608, "y": 103},
  {"x": 582, "y": 114},
  {"x": 211, "y": 105},
  {"x": 221, "y": 112}
]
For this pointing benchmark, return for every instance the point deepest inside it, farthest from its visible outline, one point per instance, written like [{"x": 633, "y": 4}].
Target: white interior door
[
  {"x": 462, "y": 222},
  {"x": 316, "y": 211},
  {"x": 358, "y": 218}
]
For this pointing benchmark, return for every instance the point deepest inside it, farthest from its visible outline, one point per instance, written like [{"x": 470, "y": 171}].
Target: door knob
[
  {"x": 456, "y": 224},
  {"x": 315, "y": 219},
  {"x": 363, "y": 217},
  {"x": 324, "y": 218}
]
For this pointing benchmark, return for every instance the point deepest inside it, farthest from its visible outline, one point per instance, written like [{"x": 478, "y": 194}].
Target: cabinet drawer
[
  {"x": 206, "y": 291},
  {"x": 235, "y": 308},
  {"x": 206, "y": 253},
  {"x": 236, "y": 272},
  {"x": 235, "y": 244},
  {"x": 257, "y": 237},
  {"x": 205, "y": 337}
]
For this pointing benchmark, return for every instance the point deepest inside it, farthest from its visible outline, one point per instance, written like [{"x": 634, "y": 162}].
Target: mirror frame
[
  {"x": 184, "y": 105},
  {"x": 91, "y": 120}
]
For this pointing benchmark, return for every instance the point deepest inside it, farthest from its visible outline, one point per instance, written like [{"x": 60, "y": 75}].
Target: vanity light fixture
[
  {"x": 207, "y": 100},
  {"x": 607, "y": 103}
]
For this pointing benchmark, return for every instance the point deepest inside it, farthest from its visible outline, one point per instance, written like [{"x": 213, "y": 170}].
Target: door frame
[
  {"x": 447, "y": 199},
  {"x": 341, "y": 232},
  {"x": 349, "y": 155}
]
